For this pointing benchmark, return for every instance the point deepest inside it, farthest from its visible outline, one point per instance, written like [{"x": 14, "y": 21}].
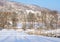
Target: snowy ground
[
  {"x": 15, "y": 36},
  {"x": 56, "y": 32}
]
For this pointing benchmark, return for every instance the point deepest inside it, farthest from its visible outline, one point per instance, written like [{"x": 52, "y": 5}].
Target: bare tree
[
  {"x": 31, "y": 18},
  {"x": 4, "y": 19},
  {"x": 54, "y": 13},
  {"x": 14, "y": 20}
]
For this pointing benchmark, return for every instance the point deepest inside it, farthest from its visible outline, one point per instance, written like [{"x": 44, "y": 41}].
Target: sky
[{"x": 50, "y": 4}]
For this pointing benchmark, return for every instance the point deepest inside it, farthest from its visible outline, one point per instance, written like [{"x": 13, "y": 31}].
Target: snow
[
  {"x": 15, "y": 36},
  {"x": 19, "y": 25},
  {"x": 53, "y": 31},
  {"x": 30, "y": 11}
]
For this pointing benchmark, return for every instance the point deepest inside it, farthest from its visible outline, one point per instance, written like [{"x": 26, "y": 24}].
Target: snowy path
[{"x": 15, "y": 36}]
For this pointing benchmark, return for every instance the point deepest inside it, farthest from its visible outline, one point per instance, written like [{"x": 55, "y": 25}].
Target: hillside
[{"x": 14, "y": 15}]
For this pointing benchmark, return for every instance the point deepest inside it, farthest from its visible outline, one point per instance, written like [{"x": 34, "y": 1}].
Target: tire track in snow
[{"x": 17, "y": 37}]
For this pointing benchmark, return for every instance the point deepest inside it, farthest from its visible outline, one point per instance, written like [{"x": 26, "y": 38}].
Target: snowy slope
[{"x": 15, "y": 36}]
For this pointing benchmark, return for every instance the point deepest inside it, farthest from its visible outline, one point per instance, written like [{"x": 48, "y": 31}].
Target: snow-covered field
[
  {"x": 16, "y": 36},
  {"x": 55, "y": 32},
  {"x": 52, "y": 31}
]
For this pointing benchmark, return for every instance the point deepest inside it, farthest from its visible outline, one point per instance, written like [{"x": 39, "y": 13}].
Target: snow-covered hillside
[
  {"x": 18, "y": 19},
  {"x": 12, "y": 13}
]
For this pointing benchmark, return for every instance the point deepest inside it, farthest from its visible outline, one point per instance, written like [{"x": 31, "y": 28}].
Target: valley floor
[{"x": 16, "y": 36}]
